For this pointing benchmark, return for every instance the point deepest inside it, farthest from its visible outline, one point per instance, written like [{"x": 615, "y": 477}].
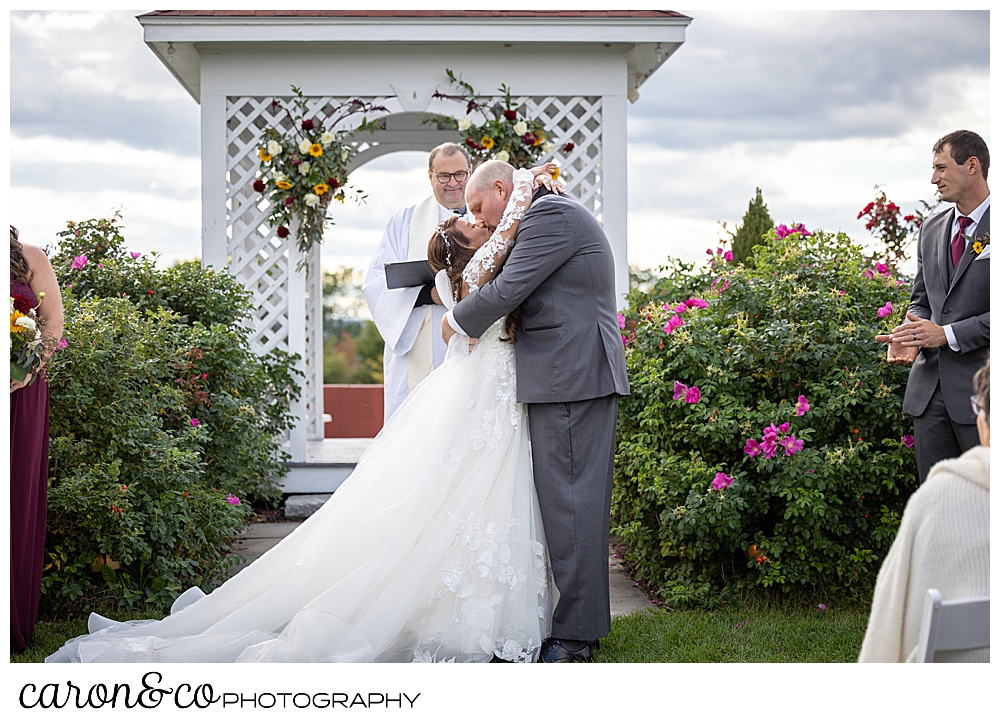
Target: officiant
[{"x": 409, "y": 319}]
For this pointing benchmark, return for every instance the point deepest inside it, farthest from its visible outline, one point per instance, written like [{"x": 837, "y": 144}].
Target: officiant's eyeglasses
[{"x": 457, "y": 175}]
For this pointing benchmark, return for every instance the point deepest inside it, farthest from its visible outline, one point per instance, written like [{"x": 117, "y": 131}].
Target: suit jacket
[
  {"x": 960, "y": 297},
  {"x": 569, "y": 346}
]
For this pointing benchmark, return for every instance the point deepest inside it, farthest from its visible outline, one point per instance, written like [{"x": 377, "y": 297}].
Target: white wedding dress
[{"x": 431, "y": 551}]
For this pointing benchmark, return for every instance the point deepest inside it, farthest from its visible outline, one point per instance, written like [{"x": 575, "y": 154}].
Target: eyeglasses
[
  {"x": 976, "y": 409},
  {"x": 459, "y": 176}
]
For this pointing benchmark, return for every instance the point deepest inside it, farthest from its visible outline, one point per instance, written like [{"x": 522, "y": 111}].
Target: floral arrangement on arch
[
  {"x": 505, "y": 133},
  {"x": 305, "y": 168}
]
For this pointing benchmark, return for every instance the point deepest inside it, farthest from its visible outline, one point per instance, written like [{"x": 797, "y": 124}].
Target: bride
[{"x": 432, "y": 550}]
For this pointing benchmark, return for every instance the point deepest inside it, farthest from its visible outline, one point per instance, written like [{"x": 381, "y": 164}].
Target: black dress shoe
[{"x": 555, "y": 650}]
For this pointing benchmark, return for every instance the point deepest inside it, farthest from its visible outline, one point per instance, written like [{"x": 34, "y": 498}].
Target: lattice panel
[{"x": 263, "y": 262}]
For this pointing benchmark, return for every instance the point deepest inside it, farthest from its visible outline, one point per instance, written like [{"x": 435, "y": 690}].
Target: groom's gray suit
[
  {"x": 940, "y": 383},
  {"x": 570, "y": 373}
]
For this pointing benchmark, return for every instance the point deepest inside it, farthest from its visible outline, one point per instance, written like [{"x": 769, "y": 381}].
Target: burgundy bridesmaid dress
[{"x": 29, "y": 474}]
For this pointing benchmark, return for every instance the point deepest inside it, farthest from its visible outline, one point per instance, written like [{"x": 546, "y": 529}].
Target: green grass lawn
[
  {"x": 769, "y": 632},
  {"x": 755, "y": 633}
]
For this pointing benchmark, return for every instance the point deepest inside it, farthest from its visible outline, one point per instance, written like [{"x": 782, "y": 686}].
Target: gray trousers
[
  {"x": 937, "y": 437},
  {"x": 573, "y": 455}
]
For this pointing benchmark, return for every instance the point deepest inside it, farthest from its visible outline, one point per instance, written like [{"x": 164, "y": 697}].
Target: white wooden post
[
  {"x": 297, "y": 341},
  {"x": 214, "y": 241},
  {"x": 614, "y": 186}
]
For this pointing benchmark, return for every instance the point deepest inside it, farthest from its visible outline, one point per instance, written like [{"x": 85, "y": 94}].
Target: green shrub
[
  {"x": 756, "y": 223},
  {"x": 800, "y": 322},
  {"x": 159, "y": 423}
]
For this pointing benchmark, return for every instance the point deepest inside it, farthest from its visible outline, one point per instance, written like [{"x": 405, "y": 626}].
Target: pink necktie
[{"x": 958, "y": 243}]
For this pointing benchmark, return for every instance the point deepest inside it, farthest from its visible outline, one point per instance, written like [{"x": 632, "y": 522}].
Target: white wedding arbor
[{"x": 574, "y": 70}]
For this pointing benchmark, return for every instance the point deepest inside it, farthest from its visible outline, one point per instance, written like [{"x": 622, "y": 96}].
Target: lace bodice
[{"x": 486, "y": 259}]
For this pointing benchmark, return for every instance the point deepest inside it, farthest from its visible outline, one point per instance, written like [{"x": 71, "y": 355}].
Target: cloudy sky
[{"x": 813, "y": 107}]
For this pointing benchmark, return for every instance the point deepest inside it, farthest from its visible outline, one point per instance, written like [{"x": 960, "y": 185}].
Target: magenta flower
[
  {"x": 882, "y": 269},
  {"x": 721, "y": 481},
  {"x": 135, "y": 254},
  {"x": 752, "y": 448},
  {"x": 908, "y": 440},
  {"x": 78, "y": 262},
  {"x": 718, "y": 250},
  {"x": 63, "y": 343},
  {"x": 194, "y": 422},
  {"x": 771, "y": 431},
  {"x": 769, "y": 446},
  {"x": 728, "y": 256},
  {"x": 791, "y": 445},
  {"x": 621, "y": 321},
  {"x": 783, "y": 427},
  {"x": 821, "y": 607},
  {"x": 624, "y": 341},
  {"x": 233, "y": 500},
  {"x": 700, "y": 303},
  {"x": 802, "y": 405},
  {"x": 784, "y": 230},
  {"x": 100, "y": 266},
  {"x": 680, "y": 390},
  {"x": 672, "y": 324},
  {"x": 680, "y": 308},
  {"x": 867, "y": 273},
  {"x": 693, "y": 395},
  {"x": 885, "y": 310},
  {"x": 709, "y": 252}
]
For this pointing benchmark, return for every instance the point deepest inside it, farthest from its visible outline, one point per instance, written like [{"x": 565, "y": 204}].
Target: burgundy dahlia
[
  {"x": 510, "y": 114},
  {"x": 529, "y": 139},
  {"x": 332, "y": 182},
  {"x": 282, "y": 232},
  {"x": 21, "y": 303},
  {"x": 568, "y": 147},
  {"x": 289, "y": 200},
  {"x": 307, "y": 124},
  {"x": 258, "y": 186}
]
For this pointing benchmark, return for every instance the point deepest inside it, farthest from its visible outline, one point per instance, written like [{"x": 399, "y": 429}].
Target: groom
[{"x": 570, "y": 373}]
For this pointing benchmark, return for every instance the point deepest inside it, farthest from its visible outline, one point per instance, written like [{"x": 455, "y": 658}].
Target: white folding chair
[{"x": 952, "y": 625}]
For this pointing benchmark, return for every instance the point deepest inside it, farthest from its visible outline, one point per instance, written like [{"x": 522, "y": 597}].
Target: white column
[
  {"x": 214, "y": 242},
  {"x": 614, "y": 185},
  {"x": 315, "y": 283},
  {"x": 297, "y": 343}
]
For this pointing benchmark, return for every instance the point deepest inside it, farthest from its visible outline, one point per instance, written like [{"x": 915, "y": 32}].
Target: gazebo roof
[{"x": 647, "y": 37}]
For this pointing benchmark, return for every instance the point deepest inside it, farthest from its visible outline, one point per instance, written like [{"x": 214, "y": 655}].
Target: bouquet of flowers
[
  {"x": 505, "y": 134},
  {"x": 306, "y": 168},
  {"x": 26, "y": 343}
]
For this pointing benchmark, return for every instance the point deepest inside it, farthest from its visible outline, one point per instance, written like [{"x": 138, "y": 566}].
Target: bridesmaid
[{"x": 30, "y": 275}]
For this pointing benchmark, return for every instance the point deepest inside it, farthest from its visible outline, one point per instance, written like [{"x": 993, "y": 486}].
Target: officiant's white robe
[{"x": 413, "y": 343}]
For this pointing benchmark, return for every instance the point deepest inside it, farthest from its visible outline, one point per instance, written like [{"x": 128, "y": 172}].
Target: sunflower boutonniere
[{"x": 981, "y": 243}]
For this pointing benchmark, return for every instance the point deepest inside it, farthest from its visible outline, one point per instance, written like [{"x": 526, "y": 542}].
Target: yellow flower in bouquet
[
  {"x": 283, "y": 185},
  {"x": 315, "y": 150},
  {"x": 264, "y": 155},
  {"x": 320, "y": 189},
  {"x": 487, "y": 142},
  {"x": 14, "y": 328}
]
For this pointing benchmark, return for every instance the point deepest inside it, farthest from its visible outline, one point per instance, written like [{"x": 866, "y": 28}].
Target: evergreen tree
[{"x": 756, "y": 222}]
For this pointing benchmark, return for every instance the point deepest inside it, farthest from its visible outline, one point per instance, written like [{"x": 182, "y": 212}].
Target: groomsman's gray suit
[
  {"x": 940, "y": 383},
  {"x": 570, "y": 373}
]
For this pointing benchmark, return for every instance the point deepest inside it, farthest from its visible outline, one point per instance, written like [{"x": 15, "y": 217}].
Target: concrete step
[{"x": 328, "y": 463}]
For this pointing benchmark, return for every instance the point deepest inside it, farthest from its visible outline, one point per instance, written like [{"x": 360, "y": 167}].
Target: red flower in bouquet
[
  {"x": 259, "y": 186},
  {"x": 510, "y": 115}
]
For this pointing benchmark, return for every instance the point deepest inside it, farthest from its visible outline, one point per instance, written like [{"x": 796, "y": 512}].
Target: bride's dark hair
[
  {"x": 449, "y": 249},
  {"x": 19, "y": 269}
]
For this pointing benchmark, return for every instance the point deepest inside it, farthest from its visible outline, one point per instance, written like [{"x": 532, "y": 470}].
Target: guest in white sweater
[{"x": 943, "y": 542}]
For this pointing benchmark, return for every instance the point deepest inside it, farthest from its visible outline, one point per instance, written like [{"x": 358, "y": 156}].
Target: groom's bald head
[{"x": 487, "y": 191}]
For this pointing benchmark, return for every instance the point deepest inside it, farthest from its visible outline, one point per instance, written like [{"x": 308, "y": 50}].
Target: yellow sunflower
[
  {"x": 978, "y": 247},
  {"x": 283, "y": 185},
  {"x": 315, "y": 150},
  {"x": 539, "y": 138},
  {"x": 487, "y": 142},
  {"x": 320, "y": 188},
  {"x": 264, "y": 155},
  {"x": 13, "y": 325}
]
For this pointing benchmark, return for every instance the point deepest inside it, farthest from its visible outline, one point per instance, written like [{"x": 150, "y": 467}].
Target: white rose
[
  {"x": 548, "y": 146},
  {"x": 502, "y": 156},
  {"x": 520, "y": 128},
  {"x": 311, "y": 199},
  {"x": 274, "y": 148},
  {"x": 26, "y": 322},
  {"x": 304, "y": 167},
  {"x": 344, "y": 154},
  {"x": 280, "y": 176},
  {"x": 464, "y": 123},
  {"x": 304, "y": 145},
  {"x": 327, "y": 138}
]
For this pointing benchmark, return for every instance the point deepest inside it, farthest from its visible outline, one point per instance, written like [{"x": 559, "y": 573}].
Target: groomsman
[
  {"x": 947, "y": 335},
  {"x": 409, "y": 319}
]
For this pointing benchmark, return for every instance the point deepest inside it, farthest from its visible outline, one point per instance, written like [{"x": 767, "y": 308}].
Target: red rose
[
  {"x": 529, "y": 139},
  {"x": 282, "y": 232},
  {"x": 510, "y": 114},
  {"x": 472, "y": 144},
  {"x": 332, "y": 182},
  {"x": 21, "y": 303},
  {"x": 258, "y": 186},
  {"x": 149, "y": 292},
  {"x": 307, "y": 125},
  {"x": 568, "y": 147}
]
